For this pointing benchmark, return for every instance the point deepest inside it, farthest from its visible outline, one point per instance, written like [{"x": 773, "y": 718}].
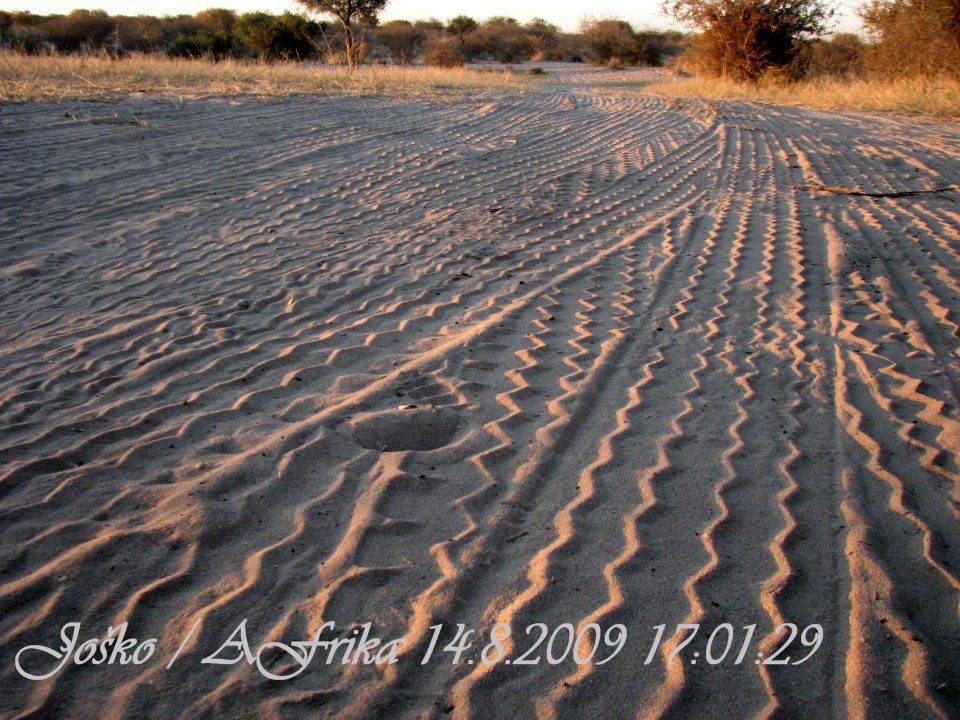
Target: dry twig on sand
[{"x": 899, "y": 193}]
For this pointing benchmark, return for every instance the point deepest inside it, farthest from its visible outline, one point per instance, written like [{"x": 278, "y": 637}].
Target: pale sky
[{"x": 565, "y": 13}]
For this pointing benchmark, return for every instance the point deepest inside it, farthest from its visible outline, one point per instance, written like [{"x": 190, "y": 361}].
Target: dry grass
[
  {"x": 938, "y": 97},
  {"x": 52, "y": 78}
]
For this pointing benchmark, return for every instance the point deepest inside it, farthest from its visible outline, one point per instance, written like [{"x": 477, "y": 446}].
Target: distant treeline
[
  {"x": 219, "y": 33},
  {"x": 742, "y": 39}
]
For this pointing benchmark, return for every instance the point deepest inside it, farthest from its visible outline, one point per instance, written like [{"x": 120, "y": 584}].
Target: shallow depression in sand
[{"x": 405, "y": 429}]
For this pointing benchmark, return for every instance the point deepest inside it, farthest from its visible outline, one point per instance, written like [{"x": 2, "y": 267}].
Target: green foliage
[
  {"x": 277, "y": 37},
  {"x": 217, "y": 45}
]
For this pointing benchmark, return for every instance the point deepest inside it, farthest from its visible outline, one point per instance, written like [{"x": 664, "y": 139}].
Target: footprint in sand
[{"x": 407, "y": 428}]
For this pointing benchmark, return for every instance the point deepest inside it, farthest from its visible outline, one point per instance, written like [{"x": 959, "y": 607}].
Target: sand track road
[{"x": 561, "y": 357}]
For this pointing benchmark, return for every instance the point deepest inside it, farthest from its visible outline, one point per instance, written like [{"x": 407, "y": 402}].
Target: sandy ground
[{"x": 562, "y": 357}]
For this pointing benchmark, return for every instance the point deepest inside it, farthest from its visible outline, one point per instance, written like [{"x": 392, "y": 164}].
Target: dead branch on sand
[{"x": 851, "y": 191}]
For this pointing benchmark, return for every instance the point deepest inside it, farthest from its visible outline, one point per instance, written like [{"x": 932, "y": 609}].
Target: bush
[
  {"x": 25, "y": 39},
  {"x": 840, "y": 57},
  {"x": 502, "y": 39},
  {"x": 442, "y": 52},
  {"x": 747, "y": 39},
  {"x": 401, "y": 39},
  {"x": 913, "y": 37},
  {"x": 218, "y": 20},
  {"x": 204, "y": 44},
  {"x": 85, "y": 29},
  {"x": 614, "y": 43},
  {"x": 143, "y": 34},
  {"x": 543, "y": 40},
  {"x": 609, "y": 41},
  {"x": 284, "y": 37}
]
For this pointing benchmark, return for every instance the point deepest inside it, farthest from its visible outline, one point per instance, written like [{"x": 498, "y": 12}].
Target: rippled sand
[{"x": 568, "y": 356}]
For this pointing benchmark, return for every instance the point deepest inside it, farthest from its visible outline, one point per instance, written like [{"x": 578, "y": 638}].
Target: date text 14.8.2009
[{"x": 591, "y": 644}]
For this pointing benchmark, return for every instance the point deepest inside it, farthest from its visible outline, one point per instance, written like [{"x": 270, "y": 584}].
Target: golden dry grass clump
[
  {"x": 930, "y": 96},
  {"x": 62, "y": 77}
]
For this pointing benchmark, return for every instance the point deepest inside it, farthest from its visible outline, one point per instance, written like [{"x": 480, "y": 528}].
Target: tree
[
  {"x": 347, "y": 11},
  {"x": 744, "y": 39},
  {"x": 460, "y": 26},
  {"x": 257, "y": 31}
]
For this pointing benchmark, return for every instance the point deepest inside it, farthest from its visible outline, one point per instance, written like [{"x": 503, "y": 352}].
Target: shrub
[
  {"x": 746, "y": 39},
  {"x": 614, "y": 43},
  {"x": 80, "y": 29},
  {"x": 543, "y": 40},
  {"x": 429, "y": 26},
  {"x": 609, "y": 41},
  {"x": 219, "y": 20},
  {"x": 143, "y": 34},
  {"x": 26, "y": 40},
  {"x": 401, "y": 39},
  {"x": 204, "y": 44},
  {"x": 913, "y": 37},
  {"x": 282, "y": 37},
  {"x": 502, "y": 39},
  {"x": 842, "y": 56},
  {"x": 442, "y": 52}
]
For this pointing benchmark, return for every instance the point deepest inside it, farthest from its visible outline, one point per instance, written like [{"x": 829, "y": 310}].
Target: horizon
[{"x": 566, "y": 15}]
